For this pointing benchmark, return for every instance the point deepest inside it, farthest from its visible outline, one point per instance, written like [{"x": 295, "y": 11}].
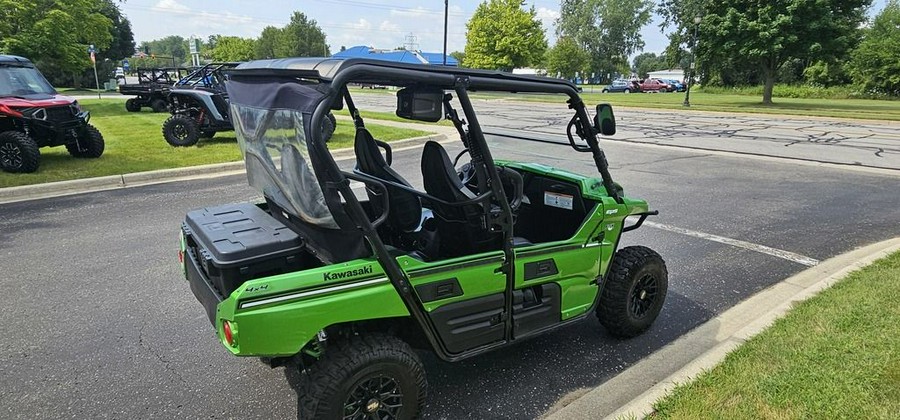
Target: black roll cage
[{"x": 340, "y": 73}]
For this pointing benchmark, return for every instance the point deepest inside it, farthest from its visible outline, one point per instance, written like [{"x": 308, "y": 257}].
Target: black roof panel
[
  {"x": 326, "y": 68},
  {"x": 15, "y": 59}
]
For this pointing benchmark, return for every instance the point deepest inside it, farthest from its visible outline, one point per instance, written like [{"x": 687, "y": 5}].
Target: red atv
[{"x": 34, "y": 115}]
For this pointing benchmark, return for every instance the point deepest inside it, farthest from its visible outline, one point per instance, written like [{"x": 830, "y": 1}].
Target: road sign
[
  {"x": 91, "y": 49},
  {"x": 126, "y": 65},
  {"x": 93, "y": 58}
]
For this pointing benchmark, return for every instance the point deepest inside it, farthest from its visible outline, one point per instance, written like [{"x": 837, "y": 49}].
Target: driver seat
[{"x": 462, "y": 230}]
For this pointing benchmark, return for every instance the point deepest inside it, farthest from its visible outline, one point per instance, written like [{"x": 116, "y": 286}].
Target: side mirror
[
  {"x": 420, "y": 104},
  {"x": 604, "y": 120}
]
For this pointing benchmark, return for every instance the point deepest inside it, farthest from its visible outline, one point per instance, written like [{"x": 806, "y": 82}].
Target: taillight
[
  {"x": 229, "y": 336},
  {"x": 181, "y": 257}
]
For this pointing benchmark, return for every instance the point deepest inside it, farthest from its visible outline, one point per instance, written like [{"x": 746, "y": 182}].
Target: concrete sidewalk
[{"x": 631, "y": 394}]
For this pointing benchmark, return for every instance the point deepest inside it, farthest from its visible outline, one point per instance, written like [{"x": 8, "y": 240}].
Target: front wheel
[
  {"x": 634, "y": 291},
  {"x": 604, "y": 91},
  {"x": 18, "y": 152},
  {"x": 376, "y": 376},
  {"x": 627, "y": 91},
  {"x": 89, "y": 144},
  {"x": 181, "y": 131}
]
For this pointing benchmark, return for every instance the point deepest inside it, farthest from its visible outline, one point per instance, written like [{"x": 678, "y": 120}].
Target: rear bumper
[{"x": 202, "y": 289}]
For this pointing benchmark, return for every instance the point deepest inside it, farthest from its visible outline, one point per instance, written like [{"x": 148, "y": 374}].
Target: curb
[
  {"x": 111, "y": 182},
  {"x": 707, "y": 345}
]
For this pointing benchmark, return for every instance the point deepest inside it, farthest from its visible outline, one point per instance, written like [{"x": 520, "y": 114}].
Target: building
[
  {"x": 399, "y": 56},
  {"x": 674, "y": 74}
]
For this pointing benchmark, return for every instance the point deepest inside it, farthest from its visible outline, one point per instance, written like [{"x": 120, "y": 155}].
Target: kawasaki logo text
[{"x": 337, "y": 275}]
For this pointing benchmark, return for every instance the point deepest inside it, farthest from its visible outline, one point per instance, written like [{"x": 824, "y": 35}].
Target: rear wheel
[
  {"x": 18, "y": 152},
  {"x": 90, "y": 144},
  {"x": 604, "y": 91},
  {"x": 627, "y": 91},
  {"x": 181, "y": 131},
  {"x": 328, "y": 126},
  {"x": 131, "y": 105},
  {"x": 159, "y": 105},
  {"x": 634, "y": 292},
  {"x": 376, "y": 376}
]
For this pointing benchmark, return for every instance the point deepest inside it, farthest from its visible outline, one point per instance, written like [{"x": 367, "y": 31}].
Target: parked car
[
  {"x": 674, "y": 85},
  {"x": 623, "y": 86},
  {"x": 653, "y": 85}
]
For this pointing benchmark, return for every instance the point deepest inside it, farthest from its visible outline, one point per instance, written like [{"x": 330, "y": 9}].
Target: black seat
[
  {"x": 405, "y": 208},
  {"x": 463, "y": 229}
]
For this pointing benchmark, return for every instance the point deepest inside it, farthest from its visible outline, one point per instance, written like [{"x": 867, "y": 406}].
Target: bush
[{"x": 801, "y": 91}]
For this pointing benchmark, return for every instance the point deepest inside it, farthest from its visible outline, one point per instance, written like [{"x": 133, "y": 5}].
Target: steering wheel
[
  {"x": 466, "y": 175},
  {"x": 513, "y": 184}
]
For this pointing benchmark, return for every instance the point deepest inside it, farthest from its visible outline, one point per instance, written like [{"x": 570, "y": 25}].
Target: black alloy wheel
[
  {"x": 375, "y": 397},
  {"x": 18, "y": 152},
  {"x": 643, "y": 296},
  {"x": 633, "y": 292}
]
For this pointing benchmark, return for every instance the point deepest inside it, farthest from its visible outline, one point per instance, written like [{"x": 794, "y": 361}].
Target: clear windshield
[
  {"x": 23, "y": 81},
  {"x": 274, "y": 147}
]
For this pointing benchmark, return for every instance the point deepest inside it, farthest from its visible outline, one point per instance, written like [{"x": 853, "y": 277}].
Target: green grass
[
  {"x": 386, "y": 116},
  {"x": 836, "y": 355},
  {"x": 870, "y": 109},
  {"x": 134, "y": 143}
]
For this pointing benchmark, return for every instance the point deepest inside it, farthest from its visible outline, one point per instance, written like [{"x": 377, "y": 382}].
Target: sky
[{"x": 375, "y": 23}]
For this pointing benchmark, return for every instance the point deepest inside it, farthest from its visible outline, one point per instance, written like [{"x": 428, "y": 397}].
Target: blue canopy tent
[{"x": 399, "y": 56}]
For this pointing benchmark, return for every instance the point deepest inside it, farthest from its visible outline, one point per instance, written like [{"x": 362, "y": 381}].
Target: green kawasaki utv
[{"x": 344, "y": 287}]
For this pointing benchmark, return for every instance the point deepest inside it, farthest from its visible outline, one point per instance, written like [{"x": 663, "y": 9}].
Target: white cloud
[
  {"x": 412, "y": 13},
  {"x": 171, "y": 5},
  {"x": 361, "y": 25},
  {"x": 388, "y": 26},
  {"x": 548, "y": 18}
]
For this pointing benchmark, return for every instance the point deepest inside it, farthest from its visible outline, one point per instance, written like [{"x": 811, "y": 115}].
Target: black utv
[
  {"x": 151, "y": 89},
  {"x": 199, "y": 106}
]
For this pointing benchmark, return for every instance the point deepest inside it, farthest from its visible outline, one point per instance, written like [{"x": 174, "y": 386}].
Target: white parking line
[{"x": 780, "y": 253}]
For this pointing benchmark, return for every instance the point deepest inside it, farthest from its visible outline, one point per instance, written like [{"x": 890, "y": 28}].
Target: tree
[
  {"x": 502, "y": 36},
  {"x": 763, "y": 36},
  {"x": 567, "y": 58},
  {"x": 302, "y": 38},
  {"x": 170, "y": 46},
  {"x": 55, "y": 34},
  {"x": 268, "y": 43},
  {"x": 233, "y": 48},
  {"x": 875, "y": 64},
  {"x": 609, "y": 30},
  {"x": 647, "y": 62},
  {"x": 459, "y": 56}
]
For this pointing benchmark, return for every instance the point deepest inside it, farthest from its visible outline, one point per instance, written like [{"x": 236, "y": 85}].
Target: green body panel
[
  {"x": 478, "y": 275},
  {"x": 308, "y": 301},
  {"x": 281, "y": 328}
]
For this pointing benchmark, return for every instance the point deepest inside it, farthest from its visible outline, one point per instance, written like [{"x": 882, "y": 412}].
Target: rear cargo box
[{"x": 238, "y": 242}]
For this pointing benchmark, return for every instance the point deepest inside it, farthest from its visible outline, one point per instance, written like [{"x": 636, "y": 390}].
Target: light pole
[
  {"x": 690, "y": 80},
  {"x": 446, "y": 6}
]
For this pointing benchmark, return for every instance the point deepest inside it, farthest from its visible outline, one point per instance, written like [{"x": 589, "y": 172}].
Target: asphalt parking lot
[{"x": 100, "y": 323}]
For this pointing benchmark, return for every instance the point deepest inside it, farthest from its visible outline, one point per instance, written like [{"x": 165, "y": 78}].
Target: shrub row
[{"x": 801, "y": 91}]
